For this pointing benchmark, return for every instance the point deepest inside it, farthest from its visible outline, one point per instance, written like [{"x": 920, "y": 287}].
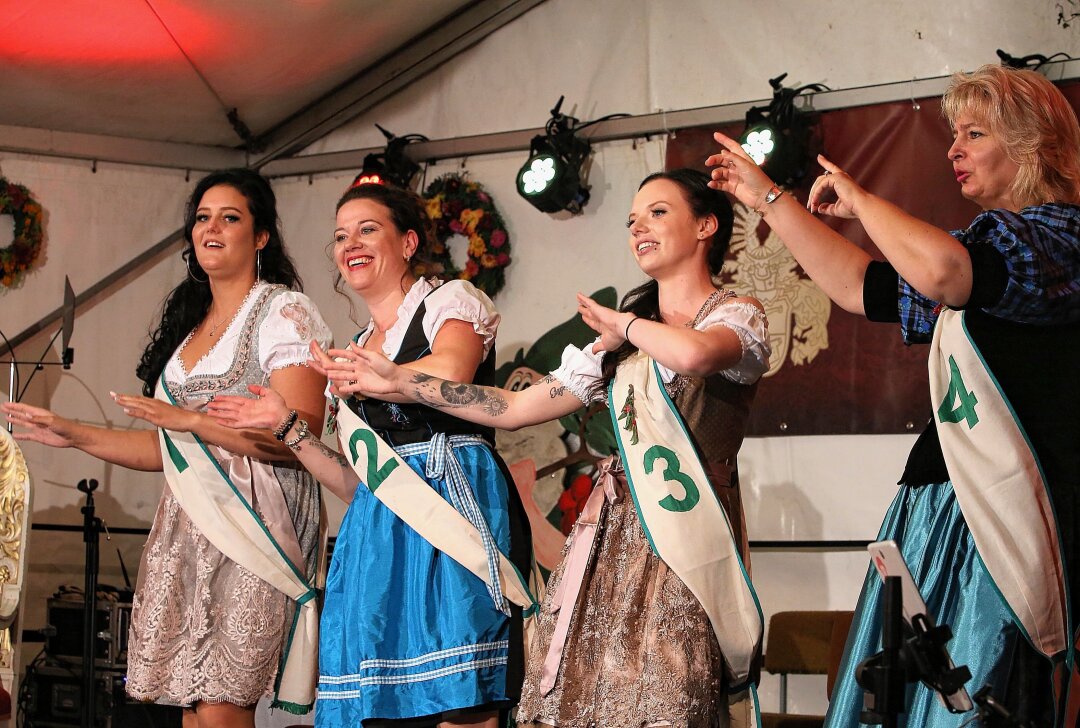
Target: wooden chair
[{"x": 803, "y": 643}]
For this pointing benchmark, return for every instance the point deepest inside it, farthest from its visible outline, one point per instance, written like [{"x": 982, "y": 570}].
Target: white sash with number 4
[
  {"x": 681, "y": 515},
  {"x": 999, "y": 485}
]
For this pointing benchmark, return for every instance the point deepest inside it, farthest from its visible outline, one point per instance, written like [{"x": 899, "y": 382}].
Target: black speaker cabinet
[
  {"x": 55, "y": 701},
  {"x": 65, "y": 617}
]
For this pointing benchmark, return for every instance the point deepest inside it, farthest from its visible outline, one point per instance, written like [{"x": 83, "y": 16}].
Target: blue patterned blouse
[{"x": 1040, "y": 247}]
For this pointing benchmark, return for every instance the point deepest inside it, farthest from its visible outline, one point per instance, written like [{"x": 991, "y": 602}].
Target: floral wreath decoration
[
  {"x": 17, "y": 258},
  {"x": 458, "y": 206}
]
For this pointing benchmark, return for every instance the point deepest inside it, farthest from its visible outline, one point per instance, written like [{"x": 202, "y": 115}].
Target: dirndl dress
[{"x": 408, "y": 636}]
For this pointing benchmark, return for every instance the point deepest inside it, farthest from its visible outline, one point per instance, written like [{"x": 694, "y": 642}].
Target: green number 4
[
  {"x": 672, "y": 472},
  {"x": 959, "y": 394}
]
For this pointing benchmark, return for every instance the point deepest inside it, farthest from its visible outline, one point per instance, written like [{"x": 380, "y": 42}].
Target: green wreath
[
  {"x": 17, "y": 258},
  {"x": 459, "y": 206}
]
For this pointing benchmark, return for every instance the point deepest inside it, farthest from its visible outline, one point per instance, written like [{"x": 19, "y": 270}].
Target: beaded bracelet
[
  {"x": 279, "y": 432},
  {"x": 302, "y": 433}
]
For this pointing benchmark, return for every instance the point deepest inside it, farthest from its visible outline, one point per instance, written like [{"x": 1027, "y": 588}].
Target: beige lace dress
[
  {"x": 205, "y": 629},
  {"x": 640, "y": 649}
]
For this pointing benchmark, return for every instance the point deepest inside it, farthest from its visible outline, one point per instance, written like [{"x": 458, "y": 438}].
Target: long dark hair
[
  {"x": 644, "y": 301},
  {"x": 189, "y": 302},
  {"x": 407, "y": 212}
]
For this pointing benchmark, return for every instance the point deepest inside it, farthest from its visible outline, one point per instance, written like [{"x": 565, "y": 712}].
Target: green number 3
[
  {"x": 959, "y": 393},
  {"x": 374, "y": 477},
  {"x": 672, "y": 472}
]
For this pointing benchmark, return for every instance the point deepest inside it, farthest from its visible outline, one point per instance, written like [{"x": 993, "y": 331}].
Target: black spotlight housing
[
  {"x": 778, "y": 135},
  {"x": 392, "y": 165},
  {"x": 551, "y": 180},
  {"x": 1033, "y": 62}
]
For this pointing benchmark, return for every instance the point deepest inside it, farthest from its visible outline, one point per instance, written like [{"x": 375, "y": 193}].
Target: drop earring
[
  {"x": 258, "y": 264},
  {"x": 192, "y": 275}
]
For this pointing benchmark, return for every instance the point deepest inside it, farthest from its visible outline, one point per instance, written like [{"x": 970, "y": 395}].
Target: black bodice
[{"x": 402, "y": 424}]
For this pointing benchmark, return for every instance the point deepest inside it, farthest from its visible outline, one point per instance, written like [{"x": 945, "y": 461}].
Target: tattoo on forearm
[
  {"x": 557, "y": 391},
  {"x": 441, "y": 394},
  {"x": 327, "y": 452},
  {"x": 458, "y": 394}
]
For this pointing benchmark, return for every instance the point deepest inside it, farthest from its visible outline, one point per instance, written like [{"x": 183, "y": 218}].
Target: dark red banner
[{"x": 833, "y": 372}]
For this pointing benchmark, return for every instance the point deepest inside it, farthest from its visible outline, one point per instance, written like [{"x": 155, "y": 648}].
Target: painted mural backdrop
[{"x": 832, "y": 372}]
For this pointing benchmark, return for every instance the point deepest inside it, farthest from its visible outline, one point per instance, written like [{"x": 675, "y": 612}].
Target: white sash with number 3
[{"x": 681, "y": 515}]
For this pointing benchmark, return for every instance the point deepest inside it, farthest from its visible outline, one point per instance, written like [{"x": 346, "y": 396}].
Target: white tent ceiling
[{"x": 169, "y": 71}]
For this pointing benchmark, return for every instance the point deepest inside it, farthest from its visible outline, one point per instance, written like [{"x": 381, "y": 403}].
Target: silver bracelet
[
  {"x": 302, "y": 433},
  {"x": 771, "y": 196}
]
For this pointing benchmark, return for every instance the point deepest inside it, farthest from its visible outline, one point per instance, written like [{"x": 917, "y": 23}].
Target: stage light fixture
[
  {"x": 553, "y": 179},
  {"x": 777, "y": 136},
  {"x": 1033, "y": 62},
  {"x": 390, "y": 166}
]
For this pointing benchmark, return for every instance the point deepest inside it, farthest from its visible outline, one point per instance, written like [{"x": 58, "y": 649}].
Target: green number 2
[
  {"x": 672, "y": 472},
  {"x": 959, "y": 393},
  {"x": 374, "y": 477}
]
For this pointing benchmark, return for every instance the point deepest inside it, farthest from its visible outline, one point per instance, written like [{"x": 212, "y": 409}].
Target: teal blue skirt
[
  {"x": 937, "y": 545},
  {"x": 406, "y": 631}
]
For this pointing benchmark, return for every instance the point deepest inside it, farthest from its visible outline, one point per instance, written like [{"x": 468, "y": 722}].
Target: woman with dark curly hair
[
  {"x": 409, "y": 636},
  {"x": 223, "y": 611},
  {"x": 650, "y": 619}
]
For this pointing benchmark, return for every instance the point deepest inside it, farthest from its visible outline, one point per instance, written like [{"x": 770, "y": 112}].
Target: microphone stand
[
  {"x": 91, "y": 532},
  {"x": 14, "y": 393},
  {"x": 67, "y": 355}
]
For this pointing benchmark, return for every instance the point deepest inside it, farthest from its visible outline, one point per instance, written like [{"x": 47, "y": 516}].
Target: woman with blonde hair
[{"x": 986, "y": 515}]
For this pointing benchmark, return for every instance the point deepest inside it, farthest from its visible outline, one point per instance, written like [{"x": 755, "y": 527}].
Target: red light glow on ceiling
[{"x": 98, "y": 33}]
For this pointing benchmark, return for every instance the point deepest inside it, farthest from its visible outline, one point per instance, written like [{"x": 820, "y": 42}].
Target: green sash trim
[
  {"x": 1000, "y": 486},
  {"x": 661, "y": 452},
  {"x": 226, "y": 519},
  {"x": 414, "y": 501}
]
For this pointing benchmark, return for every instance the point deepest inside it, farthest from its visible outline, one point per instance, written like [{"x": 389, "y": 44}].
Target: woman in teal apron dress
[
  {"x": 408, "y": 636},
  {"x": 622, "y": 638},
  {"x": 1009, "y": 287}
]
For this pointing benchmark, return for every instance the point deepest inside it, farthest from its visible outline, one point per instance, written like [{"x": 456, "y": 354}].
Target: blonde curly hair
[{"x": 1035, "y": 123}]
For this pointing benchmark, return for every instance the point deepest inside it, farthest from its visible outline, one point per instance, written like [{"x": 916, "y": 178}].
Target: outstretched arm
[
  {"x": 682, "y": 350},
  {"x": 300, "y": 387},
  {"x": 836, "y": 264},
  {"x": 930, "y": 259},
  {"x": 135, "y": 449},
  {"x": 546, "y": 400},
  {"x": 266, "y": 412}
]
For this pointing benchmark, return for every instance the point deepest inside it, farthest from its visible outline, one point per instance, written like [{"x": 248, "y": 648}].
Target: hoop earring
[
  {"x": 258, "y": 264},
  {"x": 192, "y": 275}
]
